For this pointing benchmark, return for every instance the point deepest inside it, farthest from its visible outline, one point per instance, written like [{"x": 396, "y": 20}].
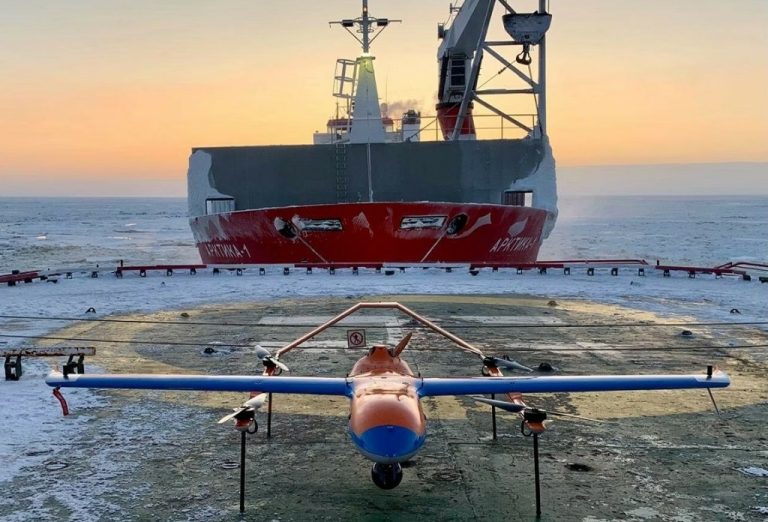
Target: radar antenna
[{"x": 368, "y": 26}]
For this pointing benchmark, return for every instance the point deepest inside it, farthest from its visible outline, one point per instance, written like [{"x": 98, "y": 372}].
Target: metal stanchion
[{"x": 242, "y": 472}]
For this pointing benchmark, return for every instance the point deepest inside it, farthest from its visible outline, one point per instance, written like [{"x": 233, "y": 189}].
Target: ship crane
[{"x": 460, "y": 56}]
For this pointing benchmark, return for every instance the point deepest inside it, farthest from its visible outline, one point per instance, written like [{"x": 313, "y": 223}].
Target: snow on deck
[{"x": 31, "y": 414}]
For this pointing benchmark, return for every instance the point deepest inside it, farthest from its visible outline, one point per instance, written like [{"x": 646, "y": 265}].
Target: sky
[{"x": 107, "y": 97}]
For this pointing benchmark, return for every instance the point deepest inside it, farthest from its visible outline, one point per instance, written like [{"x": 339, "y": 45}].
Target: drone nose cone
[{"x": 388, "y": 444}]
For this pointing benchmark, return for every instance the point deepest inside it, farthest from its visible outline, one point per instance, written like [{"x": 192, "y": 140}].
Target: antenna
[{"x": 369, "y": 27}]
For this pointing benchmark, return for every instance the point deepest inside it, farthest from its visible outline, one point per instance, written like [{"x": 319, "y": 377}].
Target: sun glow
[{"x": 107, "y": 92}]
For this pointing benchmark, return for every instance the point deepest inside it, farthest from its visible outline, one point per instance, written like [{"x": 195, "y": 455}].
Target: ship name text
[
  {"x": 513, "y": 244},
  {"x": 226, "y": 250}
]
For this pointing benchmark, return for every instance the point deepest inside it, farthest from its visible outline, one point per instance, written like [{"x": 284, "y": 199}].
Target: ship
[{"x": 377, "y": 191}]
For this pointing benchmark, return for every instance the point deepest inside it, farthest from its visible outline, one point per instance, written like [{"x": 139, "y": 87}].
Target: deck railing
[{"x": 487, "y": 127}]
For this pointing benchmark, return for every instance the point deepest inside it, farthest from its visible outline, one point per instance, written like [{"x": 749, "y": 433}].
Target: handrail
[
  {"x": 483, "y": 131},
  {"x": 361, "y": 306}
]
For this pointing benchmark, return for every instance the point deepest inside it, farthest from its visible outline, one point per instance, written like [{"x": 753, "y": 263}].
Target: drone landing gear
[
  {"x": 245, "y": 423},
  {"x": 536, "y": 473},
  {"x": 493, "y": 417},
  {"x": 535, "y": 417},
  {"x": 242, "y": 471},
  {"x": 387, "y": 476}
]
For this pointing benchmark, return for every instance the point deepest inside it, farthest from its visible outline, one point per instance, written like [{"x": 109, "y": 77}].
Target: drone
[{"x": 387, "y": 424}]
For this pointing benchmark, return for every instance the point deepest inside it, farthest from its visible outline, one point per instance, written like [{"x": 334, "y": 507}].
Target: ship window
[
  {"x": 284, "y": 228},
  {"x": 219, "y": 205},
  {"x": 320, "y": 225},
  {"x": 412, "y": 222},
  {"x": 456, "y": 224},
  {"x": 458, "y": 72},
  {"x": 443, "y": 75},
  {"x": 518, "y": 198}
]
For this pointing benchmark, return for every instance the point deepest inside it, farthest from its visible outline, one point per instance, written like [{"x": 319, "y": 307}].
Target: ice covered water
[
  {"x": 702, "y": 231},
  {"x": 42, "y": 233}
]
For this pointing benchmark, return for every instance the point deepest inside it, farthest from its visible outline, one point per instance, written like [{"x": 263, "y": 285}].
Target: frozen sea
[
  {"x": 43, "y": 233},
  {"x": 70, "y": 232},
  {"x": 55, "y": 233}
]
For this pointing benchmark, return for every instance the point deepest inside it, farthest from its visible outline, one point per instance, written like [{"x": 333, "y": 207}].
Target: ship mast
[
  {"x": 366, "y": 124},
  {"x": 365, "y": 26},
  {"x": 369, "y": 27},
  {"x": 542, "y": 88}
]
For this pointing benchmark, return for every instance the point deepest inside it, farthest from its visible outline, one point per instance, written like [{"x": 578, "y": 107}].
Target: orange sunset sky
[{"x": 111, "y": 95}]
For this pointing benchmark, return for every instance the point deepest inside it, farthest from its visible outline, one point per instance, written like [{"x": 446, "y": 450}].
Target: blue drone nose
[{"x": 388, "y": 444}]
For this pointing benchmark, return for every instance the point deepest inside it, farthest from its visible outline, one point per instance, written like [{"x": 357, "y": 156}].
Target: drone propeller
[
  {"x": 518, "y": 408},
  {"x": 235, "y": 412},
  {"x": 504, "y": 362},
  {"x": 247, "y": 410},
  {"x": 268, "y": 360},
  {"x": 571, "y": 415}
]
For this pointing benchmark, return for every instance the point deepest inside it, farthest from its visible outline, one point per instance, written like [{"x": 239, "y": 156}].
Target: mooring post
[
  {"x": 536, "y": 473},
  {"x": 242, "y": 472}
]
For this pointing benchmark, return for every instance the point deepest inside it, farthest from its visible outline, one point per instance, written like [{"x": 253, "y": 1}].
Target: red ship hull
[{"x": 372, "y": 234}]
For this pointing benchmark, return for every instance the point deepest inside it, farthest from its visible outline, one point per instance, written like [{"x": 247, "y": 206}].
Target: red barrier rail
[
  {"x": 731, "y": 268},
  {"x": 340, "y": 265},
  {"x": 143, "y": 269},
  {"x": 136, "y": 268},
  {"x": 693, "y": 270},
  {"x": 18, "y": 277},
  {"x": 597, "y": 262},
  {"x": 563, "y": 264},
  {"x": 745, "y": 264}
]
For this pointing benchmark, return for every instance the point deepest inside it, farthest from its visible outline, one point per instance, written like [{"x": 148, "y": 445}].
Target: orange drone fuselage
[{"x": 386, "y": 421}]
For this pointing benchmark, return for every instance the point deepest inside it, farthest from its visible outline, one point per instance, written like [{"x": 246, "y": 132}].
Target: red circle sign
[{"x": 355, "y": 338}]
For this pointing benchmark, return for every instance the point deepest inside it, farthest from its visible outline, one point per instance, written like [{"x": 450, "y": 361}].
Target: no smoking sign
[{"x": 355, "y": 338}]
